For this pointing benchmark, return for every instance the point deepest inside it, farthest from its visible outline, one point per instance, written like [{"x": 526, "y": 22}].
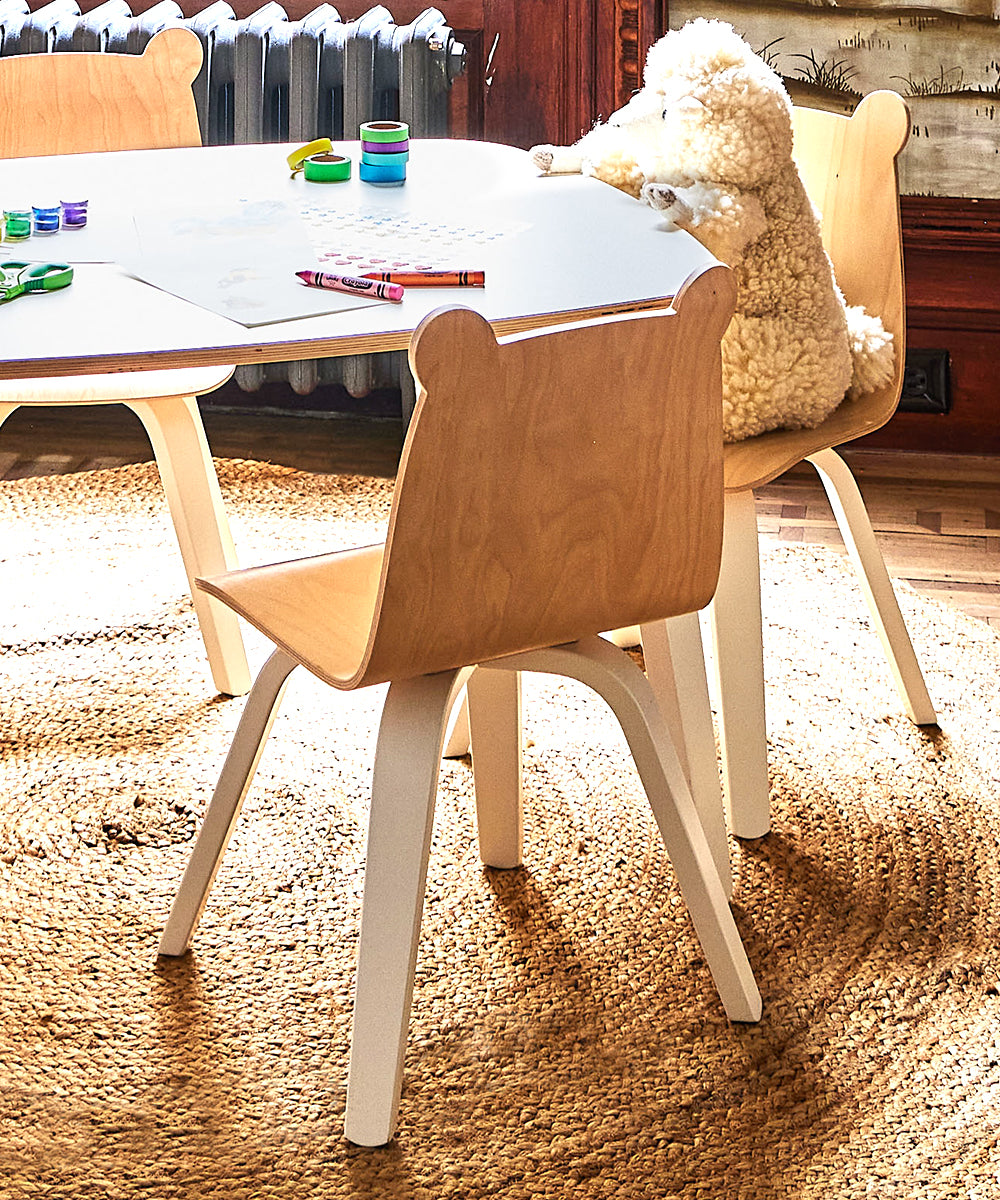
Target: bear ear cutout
[
  {"x": 882, "y": 112},
  {"x": 708, "y": 295},
  {"x": 437, "y": 340},
  {"x": 174, "y": 52}
]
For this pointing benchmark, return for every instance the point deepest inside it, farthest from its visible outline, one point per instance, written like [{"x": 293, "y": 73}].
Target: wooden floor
[
  {"x": 937, "y": 516},
  {"x": 937, "y": 519}
]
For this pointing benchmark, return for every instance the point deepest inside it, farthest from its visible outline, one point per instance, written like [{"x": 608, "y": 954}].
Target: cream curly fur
[{"x": 708, "y": 142}]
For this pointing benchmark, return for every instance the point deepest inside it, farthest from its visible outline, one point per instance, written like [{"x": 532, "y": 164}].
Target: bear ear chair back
[
  {"x": 722, "y": 168},
  {"x": 849, "y": 165},
  {"x": 133, "y": 101},
  {"x": 846, "y": 168}
]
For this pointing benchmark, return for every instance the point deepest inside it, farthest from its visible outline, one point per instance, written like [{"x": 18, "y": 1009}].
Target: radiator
[{"x": 268, "y": 79}]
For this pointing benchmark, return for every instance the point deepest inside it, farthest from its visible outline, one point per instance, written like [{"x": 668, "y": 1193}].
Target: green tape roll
[
  {"x": 327, "y": 168},
  {"x": 384, "y": 131}
]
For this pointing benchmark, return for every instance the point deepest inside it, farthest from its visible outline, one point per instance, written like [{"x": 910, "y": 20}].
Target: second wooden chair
[
  {"x": 74, "y": 103},
  {"x": 848, "y": 166}
]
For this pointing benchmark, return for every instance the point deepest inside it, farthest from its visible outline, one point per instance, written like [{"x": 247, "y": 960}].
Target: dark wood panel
[
  {"x": 553, "y": 69},
  {"x": 947, "y": 223},
  {"x": 973, "y": 425},
  {"x": 538, "y": 79},
  {"x": 625, "y": 31},
  {"x": 951, "y": 250},
  {"x": 952, "y": 254}
]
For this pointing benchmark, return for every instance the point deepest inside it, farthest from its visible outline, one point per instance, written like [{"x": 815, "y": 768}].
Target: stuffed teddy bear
[{"x": 707, "y": 140}]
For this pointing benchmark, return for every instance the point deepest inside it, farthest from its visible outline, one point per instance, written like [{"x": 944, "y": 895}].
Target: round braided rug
[{"x": 566, "y": 1038}]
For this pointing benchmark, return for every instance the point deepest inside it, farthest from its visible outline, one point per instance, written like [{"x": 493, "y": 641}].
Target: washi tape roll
[
  {"x": 384, "y": 131},
  {"x": 386, "y": 147},
  {"x": 370, "y": 173},
  {"x": 327, "y": 168},
  {"x": 74, "y": 213},
  {"x": 384, "y": 160},
  {"x": 17, "y": 224},
  {"x": 45, "y": 218},
  {"x": 298, "y": 156}
]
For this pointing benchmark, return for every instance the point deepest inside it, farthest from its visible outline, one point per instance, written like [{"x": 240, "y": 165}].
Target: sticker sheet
[{"x": 352, "y": 243}]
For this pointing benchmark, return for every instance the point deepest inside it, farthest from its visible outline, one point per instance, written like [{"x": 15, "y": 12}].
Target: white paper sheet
[{"x": 238, "y": 260}]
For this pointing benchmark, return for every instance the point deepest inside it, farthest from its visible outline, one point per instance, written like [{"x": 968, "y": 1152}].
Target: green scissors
[{"x": 16, "y": 278}]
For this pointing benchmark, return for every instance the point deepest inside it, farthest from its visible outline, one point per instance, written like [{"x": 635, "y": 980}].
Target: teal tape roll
[{"x": 377, "y": 159}]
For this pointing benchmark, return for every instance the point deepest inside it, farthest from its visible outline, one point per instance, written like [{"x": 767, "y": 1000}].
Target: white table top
[{"x": 569, "y": 246}]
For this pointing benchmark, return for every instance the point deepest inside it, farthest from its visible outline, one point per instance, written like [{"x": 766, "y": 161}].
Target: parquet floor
[{"x": 937, "y": 516}]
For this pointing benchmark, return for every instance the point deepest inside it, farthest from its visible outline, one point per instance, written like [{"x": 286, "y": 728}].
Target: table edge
[{"x": 291, "y": 350}]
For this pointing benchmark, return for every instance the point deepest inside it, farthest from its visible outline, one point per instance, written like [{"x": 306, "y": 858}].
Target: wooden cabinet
[
  {"x": 555, "y": 66},
  {"x": 539, "y": 70},
  {"x": 951, "y": 255}
]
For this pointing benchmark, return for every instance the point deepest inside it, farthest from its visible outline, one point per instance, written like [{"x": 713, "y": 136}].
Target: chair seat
[
  {"x": 120, "y": 388},
  {"x": 320, "y": 609},
  {"x": 759, "y": 460}
]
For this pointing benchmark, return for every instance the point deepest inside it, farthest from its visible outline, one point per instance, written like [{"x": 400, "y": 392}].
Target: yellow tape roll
[{"x": 298, "y": 157}]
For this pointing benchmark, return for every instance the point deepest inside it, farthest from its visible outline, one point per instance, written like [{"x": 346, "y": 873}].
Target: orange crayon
[{"x": 429, "y": 278}]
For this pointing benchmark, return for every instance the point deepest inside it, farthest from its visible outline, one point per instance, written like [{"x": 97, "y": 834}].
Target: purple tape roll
[{"x": 386, "y": 147}]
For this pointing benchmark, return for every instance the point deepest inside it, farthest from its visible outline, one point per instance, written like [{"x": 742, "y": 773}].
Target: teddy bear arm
[
  {"x": 734, "y": 217},
  {"x": 620, "y": 170},
  {"x": 723, "y": 219},
  {"x": 557, "y": 160}
]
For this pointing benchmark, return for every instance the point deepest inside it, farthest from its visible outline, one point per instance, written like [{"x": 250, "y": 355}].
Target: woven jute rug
[{"x": 566, "y": 1037}]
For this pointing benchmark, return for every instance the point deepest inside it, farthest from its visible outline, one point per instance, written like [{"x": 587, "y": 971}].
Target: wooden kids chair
[
  {"x": 848, "y": 166},
  {"x": 552, "y": 485},
  {"x": 76, "y": 103}
]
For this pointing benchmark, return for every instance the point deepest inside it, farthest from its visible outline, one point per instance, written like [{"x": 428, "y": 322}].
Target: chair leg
[
  {"x": 458, "y": 739},
  {"x": 859, "y": 537},
  {"x": 495, "y": 722},
  {"x": 613, "y": 675},
  {"x": 224, "y": 808},
  {"x": 192, "y": 490},
  {"x": 407, "y": 761},
  {"x": 625, "y": 638},
  {"x": 496, "y": 762},
  {"x": 675, "y": 667},
  {"x": 739, "y": 670}
]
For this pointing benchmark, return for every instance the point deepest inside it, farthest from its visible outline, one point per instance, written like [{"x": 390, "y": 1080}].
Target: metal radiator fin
[{"x": 268, "y": 79}]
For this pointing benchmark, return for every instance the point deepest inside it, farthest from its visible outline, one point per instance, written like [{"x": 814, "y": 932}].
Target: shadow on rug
[{"x": 566, "y": 1038}]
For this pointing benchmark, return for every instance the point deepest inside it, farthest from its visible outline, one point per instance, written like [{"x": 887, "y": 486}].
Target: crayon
[
  {"x": 430, "y": 278},
  {"x": 381, "y": 290}
]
